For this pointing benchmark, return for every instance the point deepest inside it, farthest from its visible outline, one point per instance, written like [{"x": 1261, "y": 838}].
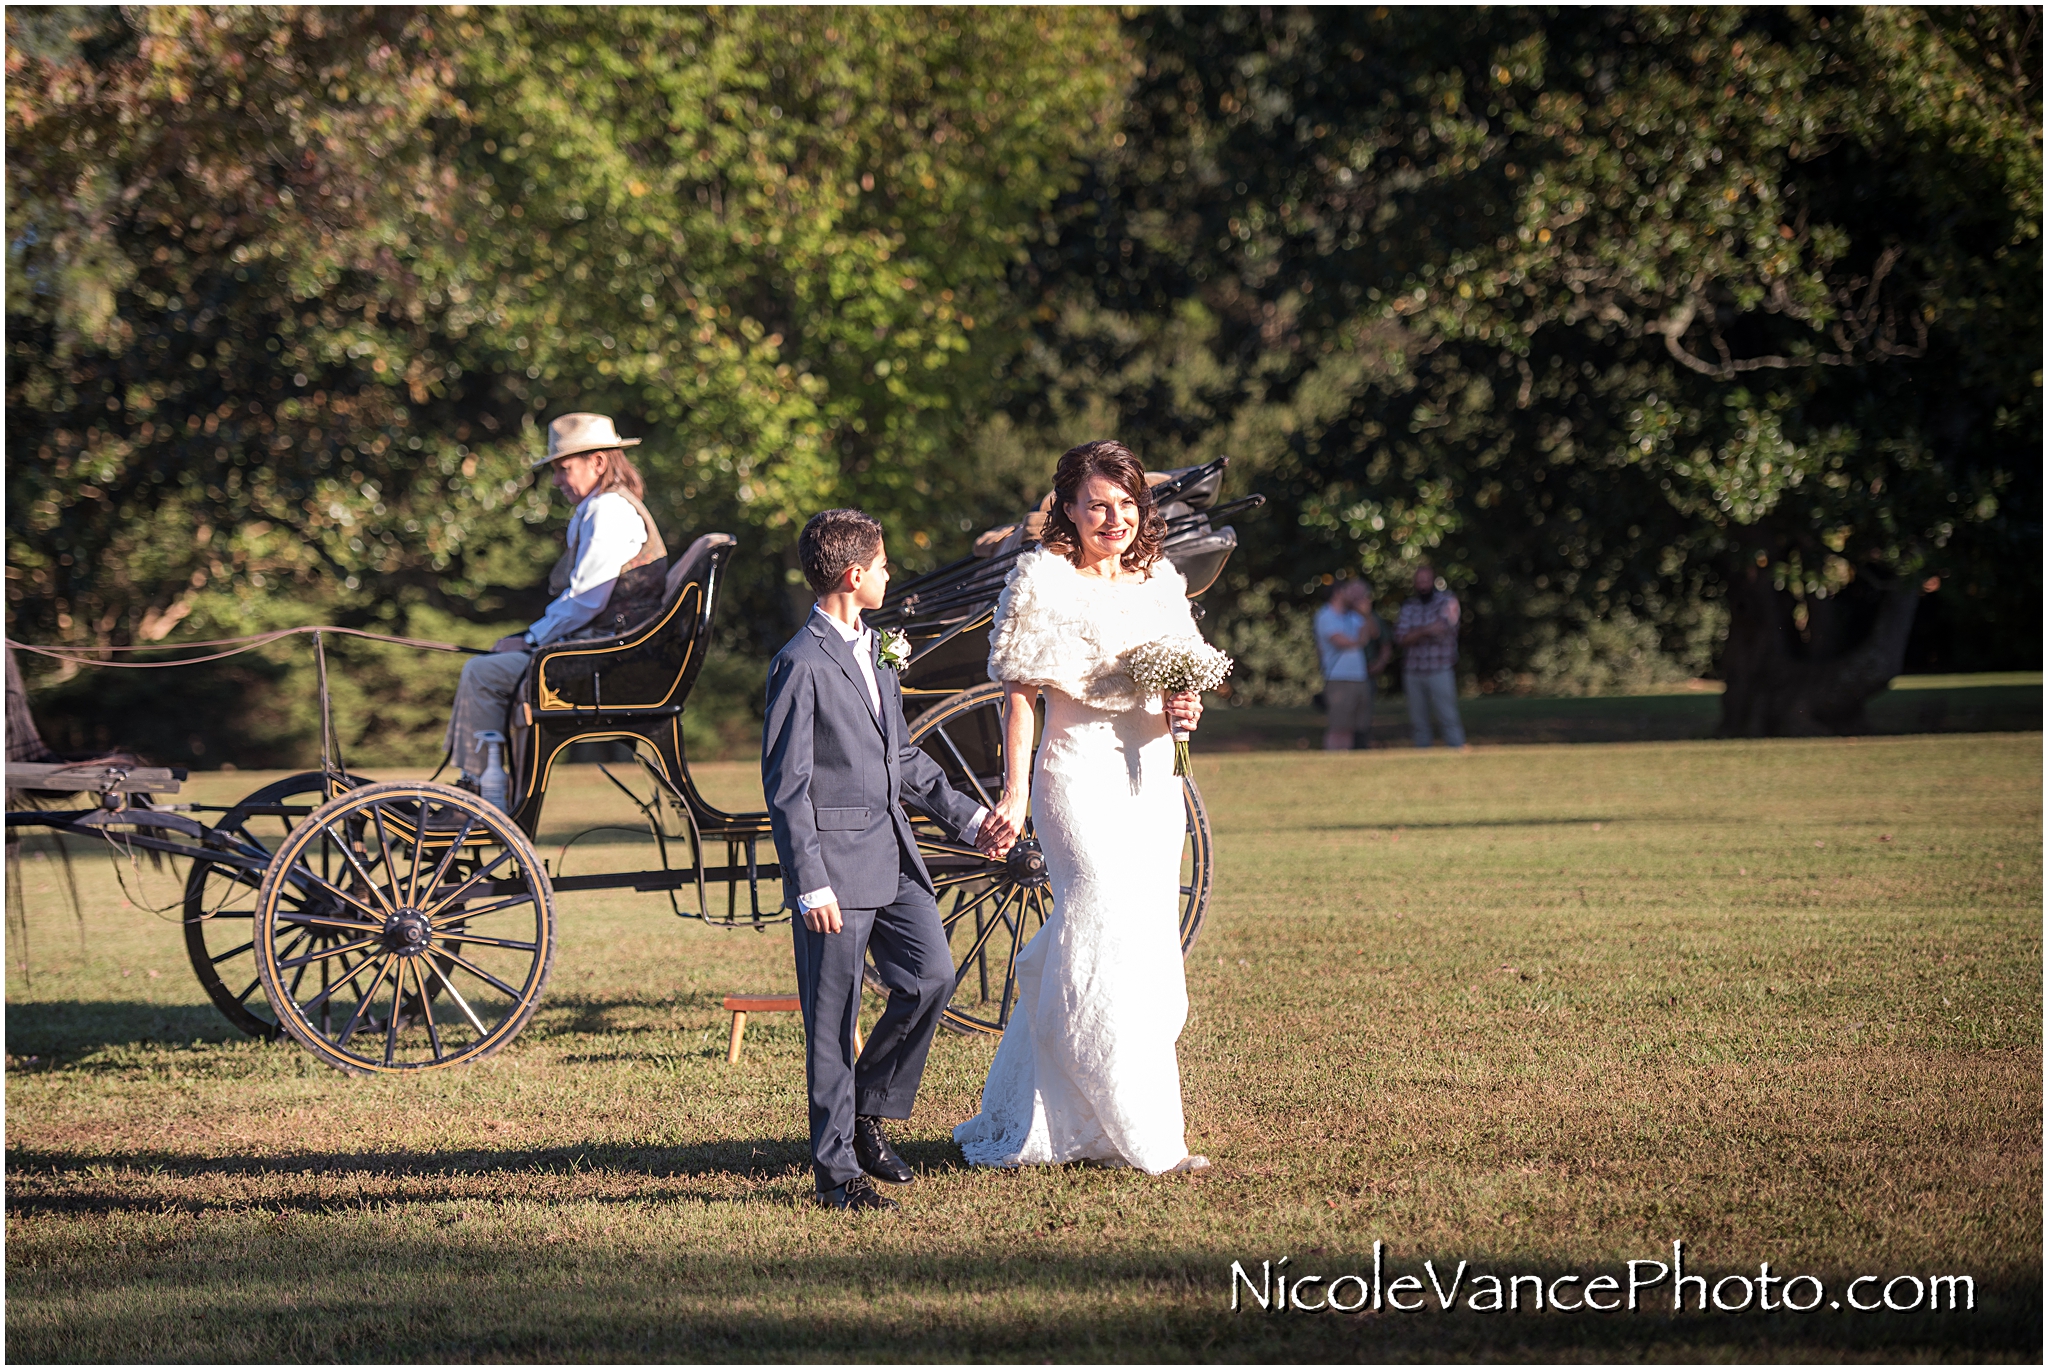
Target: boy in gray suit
[{"x": 835, "y": 760}]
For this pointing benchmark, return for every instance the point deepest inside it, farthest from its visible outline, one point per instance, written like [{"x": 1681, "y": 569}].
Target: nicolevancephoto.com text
[{"x": 1637, "y": 1285}]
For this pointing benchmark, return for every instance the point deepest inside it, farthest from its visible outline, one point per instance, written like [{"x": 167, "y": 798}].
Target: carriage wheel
[
  {"x": 990, "y": 909},
  {"x": 220, "y": 899},
  {"x": 438, "y": 923}
]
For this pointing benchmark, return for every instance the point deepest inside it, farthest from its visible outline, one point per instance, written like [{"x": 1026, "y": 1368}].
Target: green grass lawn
[
  {"x": 1541, "y": 1009},
  {"x": 2001, "y": 701}
]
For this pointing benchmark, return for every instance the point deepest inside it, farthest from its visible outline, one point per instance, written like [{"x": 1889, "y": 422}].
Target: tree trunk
[{"x": 1787, "y": 682}]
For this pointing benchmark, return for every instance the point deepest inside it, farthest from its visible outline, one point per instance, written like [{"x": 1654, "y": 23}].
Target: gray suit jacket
[{"x": 834, "y": 775}]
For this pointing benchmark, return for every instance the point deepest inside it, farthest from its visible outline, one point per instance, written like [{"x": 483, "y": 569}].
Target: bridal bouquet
[{"x": 1172, "y": 665}]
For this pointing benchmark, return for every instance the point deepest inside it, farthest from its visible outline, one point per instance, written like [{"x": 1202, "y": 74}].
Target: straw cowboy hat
[{"x": 573, "y": 433}]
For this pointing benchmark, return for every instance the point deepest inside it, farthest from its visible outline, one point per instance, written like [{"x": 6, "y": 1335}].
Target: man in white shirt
[
  {"x": 611, "y": 576},
  {"x": 1346, "y": 631}
]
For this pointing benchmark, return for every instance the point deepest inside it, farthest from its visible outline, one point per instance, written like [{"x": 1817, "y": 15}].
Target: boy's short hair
[{"x": 834, "y": 540}]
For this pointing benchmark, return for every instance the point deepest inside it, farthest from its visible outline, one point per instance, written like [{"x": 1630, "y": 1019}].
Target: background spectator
[
  {"x": 1346, "y": 631},
  {"x": 1428, "y": 633}
]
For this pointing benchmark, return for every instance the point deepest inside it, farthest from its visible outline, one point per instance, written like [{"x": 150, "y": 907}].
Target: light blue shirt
[{"x": 1340, "y": 663}]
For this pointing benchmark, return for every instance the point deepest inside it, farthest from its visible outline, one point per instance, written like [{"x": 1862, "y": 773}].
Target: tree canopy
[
  {"x": 1681, "y": 340},
  {"x": 1613, "y": 312}
]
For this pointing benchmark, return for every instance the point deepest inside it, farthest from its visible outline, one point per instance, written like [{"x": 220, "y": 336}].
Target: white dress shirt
[
  {"x": 862, "y": 640},
  {"x": 605, "y": 533}
]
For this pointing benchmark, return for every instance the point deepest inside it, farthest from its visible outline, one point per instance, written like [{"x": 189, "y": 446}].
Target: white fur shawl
[{"x": 1056, "y": 627}]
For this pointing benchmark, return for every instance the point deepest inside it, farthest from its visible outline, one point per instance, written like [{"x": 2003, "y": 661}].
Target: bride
[{"x": 1086, "y": 1069}]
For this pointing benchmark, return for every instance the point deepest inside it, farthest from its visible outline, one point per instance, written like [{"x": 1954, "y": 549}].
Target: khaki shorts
[{"x": 1350, "y": 704}]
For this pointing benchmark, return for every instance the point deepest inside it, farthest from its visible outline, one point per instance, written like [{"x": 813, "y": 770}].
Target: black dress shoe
[
  {"x": 856, "y": 1193},
  {"x": 871, "y": 1148}
]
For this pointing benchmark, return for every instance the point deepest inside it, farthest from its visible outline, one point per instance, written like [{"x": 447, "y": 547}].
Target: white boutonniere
[{"x": 892, "y": 649}]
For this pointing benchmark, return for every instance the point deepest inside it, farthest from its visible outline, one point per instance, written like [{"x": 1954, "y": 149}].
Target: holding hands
[{"x": 999, "y": 832}]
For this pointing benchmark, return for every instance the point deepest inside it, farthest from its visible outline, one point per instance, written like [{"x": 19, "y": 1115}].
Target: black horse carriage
[{"x": 409, "y": 925}]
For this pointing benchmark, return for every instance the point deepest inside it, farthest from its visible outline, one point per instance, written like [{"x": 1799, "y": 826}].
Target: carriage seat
[{"x": 648, "y": 669}]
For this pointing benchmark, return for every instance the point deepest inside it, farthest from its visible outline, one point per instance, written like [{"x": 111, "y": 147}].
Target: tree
[
  {"x": 239, "y": 394},
  {"x": 780, "y": 237},
  {"x": 1623, "y": 314},
  {"x": 294, "y": 289}
]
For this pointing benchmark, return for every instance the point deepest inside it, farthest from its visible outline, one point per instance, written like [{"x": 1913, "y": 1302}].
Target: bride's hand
[
  {"x": 1005, "y": 825},
  {"x": 1184, "y": 710}
]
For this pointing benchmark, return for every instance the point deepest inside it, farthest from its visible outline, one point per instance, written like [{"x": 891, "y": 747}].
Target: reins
[{"x": 79, "y": 656}]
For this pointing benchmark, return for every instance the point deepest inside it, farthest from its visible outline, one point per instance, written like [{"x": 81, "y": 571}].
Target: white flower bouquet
[{"x": 1172, "y": 665}]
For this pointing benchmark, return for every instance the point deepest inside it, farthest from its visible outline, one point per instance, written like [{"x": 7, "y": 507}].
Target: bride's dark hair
[{"x": 1113, "y": 462}]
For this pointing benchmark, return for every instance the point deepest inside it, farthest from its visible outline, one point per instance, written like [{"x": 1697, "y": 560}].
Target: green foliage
[
  {"x": 1594, "y": 308},
  {"x": 292, "y": 288},
  {"x": 1589, "y": 307},
  {"x": 1270, "y": 632},
  {"x": 781, "y": 238}
]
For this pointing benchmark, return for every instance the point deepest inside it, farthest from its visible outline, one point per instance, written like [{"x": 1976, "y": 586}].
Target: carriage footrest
[
  {"x": 98, "y": 777},
  {"x": 740, "y": 1005}
]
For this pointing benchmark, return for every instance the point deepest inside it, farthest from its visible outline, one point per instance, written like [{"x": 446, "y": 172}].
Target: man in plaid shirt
[{"x": 1428, "y": 634}]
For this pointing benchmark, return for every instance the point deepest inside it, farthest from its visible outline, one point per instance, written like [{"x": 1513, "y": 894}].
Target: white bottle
[{"x": 493, "y": 783}]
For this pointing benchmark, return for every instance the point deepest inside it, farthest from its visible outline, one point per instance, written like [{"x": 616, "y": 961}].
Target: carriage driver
[{"x": 613, "y": 576}]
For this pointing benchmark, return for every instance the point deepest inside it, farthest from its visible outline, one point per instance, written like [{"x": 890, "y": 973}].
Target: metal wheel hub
[
  {"x": 407, "y": 933},
  {"x": 1025, "y": 864}
]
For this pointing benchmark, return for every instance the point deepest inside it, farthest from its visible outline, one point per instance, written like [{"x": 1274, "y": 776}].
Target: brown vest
[{"x": 640, "y": 588}]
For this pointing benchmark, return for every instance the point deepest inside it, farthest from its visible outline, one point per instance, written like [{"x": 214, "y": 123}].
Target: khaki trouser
[{"x": 483, "y": 703}]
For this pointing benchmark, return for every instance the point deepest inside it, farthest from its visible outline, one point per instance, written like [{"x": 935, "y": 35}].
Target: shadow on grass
[
  {"x": 1385, "y": 826},
  {"x": 302, "y": 1292},
  {"x": 40, "y": 1181},
  {"x": 70, "y": 1028}
]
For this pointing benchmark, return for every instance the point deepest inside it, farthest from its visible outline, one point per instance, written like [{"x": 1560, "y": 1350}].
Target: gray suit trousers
[{"x": 911, "y": 956}]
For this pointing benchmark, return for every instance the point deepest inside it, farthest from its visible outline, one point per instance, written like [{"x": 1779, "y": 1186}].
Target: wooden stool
[{"x": 740, "y": 1005}]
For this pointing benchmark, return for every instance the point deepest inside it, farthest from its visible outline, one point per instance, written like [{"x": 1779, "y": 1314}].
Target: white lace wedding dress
[{"x": 1086, "y": 1069}]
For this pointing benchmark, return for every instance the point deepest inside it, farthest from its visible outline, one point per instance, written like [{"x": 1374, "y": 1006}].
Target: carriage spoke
[
  {"x": 319, "y": 1001},
  {"x": 310, "y": 957},
  {"x": 461, "y": 1003},
  {"x": 230, "y": 955},
  {"x": 958, "y": 913},
  {"x": 243, "y": 997},
  {"x": 447, "y": 859},
  {"x": 941, "y": 846},
  {"x": 215, "y": 915},
  {"x": 965, "y": 769},
  {"x": 391, "y": 1023},
  {"x": 238, "y": 876},
  {"x": 384, "y": 845},
  {"x": 348, "y": 1029},
  {"x": 462, "y": 936},
  {"x": 419, "y": 848},
  {"x": 299, "y": 939},
  {"x": 362, "y": 873},
  {"x": 466, "y": 886},
  {"x": 1010, "y": 970},
  {"x": 315, "y": 920},
  {"x": 981, "y": 940},
  {"x": 419, "y": 975},
  {"x": 480, "y": 973},
  {"x": 304, "y": 872},
  {"x": 299, "y": 975},
  {"x": 459, "y": 915}
]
